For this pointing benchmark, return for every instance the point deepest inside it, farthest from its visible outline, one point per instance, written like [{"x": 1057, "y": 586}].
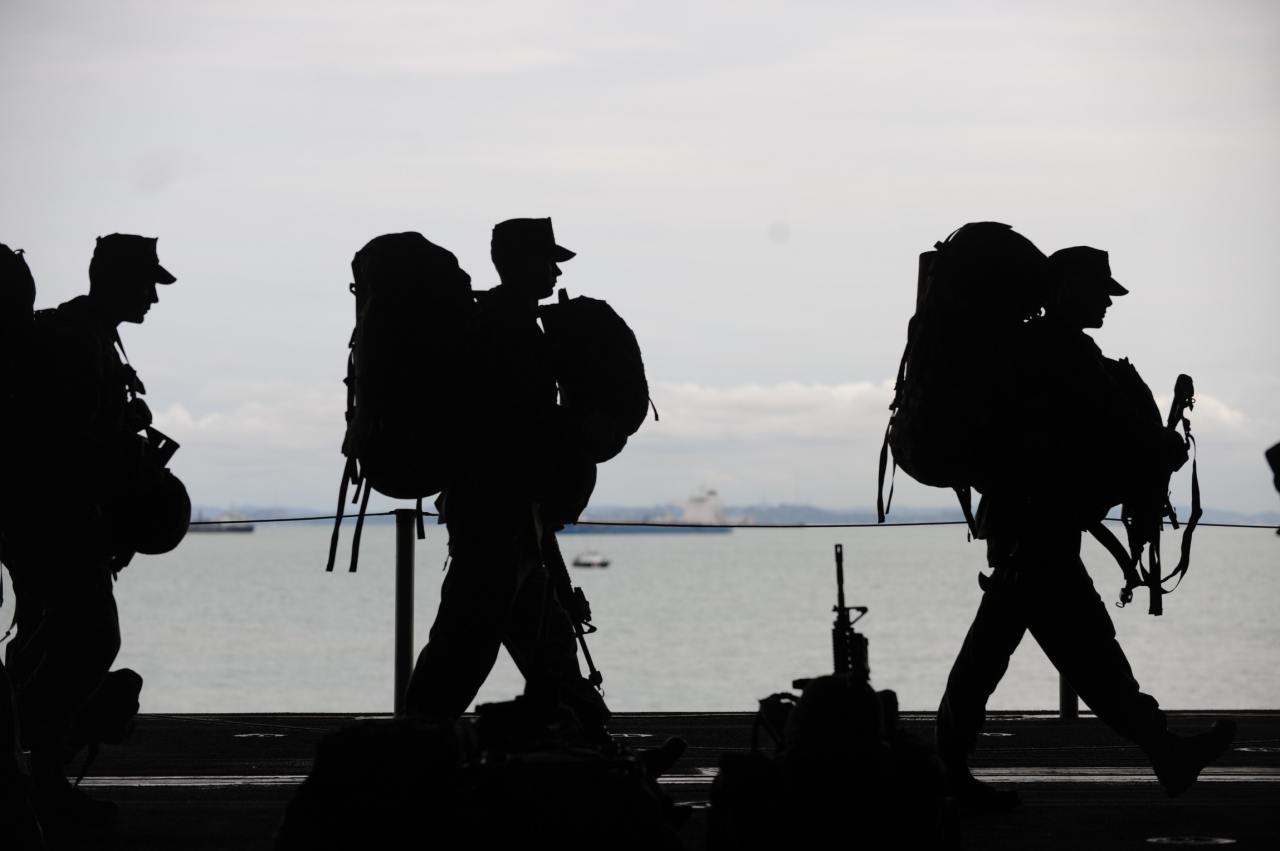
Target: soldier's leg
[
  {"x": 475, "y": 604},
  {"x": 1076, "y": 632},
  {"x": 66, "y": 654},
  {"x": 996, "y": 631},
  {"x": 542, "y": 643},
  {"x": 1073, "y": 627}
]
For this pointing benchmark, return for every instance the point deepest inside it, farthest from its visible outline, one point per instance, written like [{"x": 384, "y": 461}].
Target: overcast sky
[{"x": 748, "y": 183}]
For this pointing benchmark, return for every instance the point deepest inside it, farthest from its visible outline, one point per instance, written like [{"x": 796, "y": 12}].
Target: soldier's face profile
[
  {"x": 136, "y": 295},
  {"x": 1094, "y": 306},
  {"x": 553, "y": 272}
]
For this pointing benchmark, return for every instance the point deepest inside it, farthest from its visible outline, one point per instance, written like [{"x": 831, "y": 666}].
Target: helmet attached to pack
[{"x": 159, "y": 516}]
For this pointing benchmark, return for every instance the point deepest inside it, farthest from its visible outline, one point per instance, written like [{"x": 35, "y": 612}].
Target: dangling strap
[
  {"x": 1135, "y": 572},
  {"x": 355, "y": 538},
  {"x": 965, "y": 494},
  {"x": 883, "y": 506},
  {"x": 1153, "y": 578},
  {"x": 655, "y": 409},
  {"x": 1184, "y": 559},
  {"x": 422, "y": 529},
  {"x": 348, "y": 473}
]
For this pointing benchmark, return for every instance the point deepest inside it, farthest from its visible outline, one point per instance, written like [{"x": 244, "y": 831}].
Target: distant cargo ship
[
  {"x": 222, "y": 523},
  {"x": 701, "y": 516}
]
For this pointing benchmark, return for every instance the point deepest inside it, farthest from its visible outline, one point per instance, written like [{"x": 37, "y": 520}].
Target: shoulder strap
[{"x": 882, "y": 505}]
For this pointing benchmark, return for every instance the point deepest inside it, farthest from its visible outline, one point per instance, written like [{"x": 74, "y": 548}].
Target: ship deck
[{"x": 222, "y": 781}]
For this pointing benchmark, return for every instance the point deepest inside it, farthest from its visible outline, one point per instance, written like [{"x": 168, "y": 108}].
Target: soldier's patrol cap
[
  {"x": 528, "y": 237},
  {"x": 126, "y": 253},
  {"x": 1085, "y": 265}
]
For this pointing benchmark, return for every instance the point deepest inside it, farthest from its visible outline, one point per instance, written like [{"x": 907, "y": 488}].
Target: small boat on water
[
  {"x": 222, "y": 523},
  {"x": 590, "y": 558}
]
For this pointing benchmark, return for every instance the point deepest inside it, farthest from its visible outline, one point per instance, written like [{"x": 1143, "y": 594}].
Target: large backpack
[
  {"x": 413, "y": 307},
  {"x": 600, "y": 373},
  {"x": 949, "y": 425},
  {"x": 17, "y": 298}
]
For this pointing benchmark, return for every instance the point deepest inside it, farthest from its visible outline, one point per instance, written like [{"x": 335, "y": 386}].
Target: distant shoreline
[{"x": 745, "y": 515}]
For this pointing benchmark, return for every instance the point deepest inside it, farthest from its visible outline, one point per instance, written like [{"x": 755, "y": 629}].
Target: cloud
[
  {"x": 277, "y": 442},
  {"x": 1213, "y": 416},
  {"x": 274, "y": 416},
  {"x": 787, "y": 412}
]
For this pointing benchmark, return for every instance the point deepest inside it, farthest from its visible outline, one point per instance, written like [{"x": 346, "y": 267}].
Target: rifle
[
  {"x": 1143, "y": 522},
  {"x": 572, "y": 599},
  {"x": 848, "y": 646}
]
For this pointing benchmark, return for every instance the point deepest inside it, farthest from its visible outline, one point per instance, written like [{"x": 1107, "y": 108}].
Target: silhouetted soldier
[
  {"x": 512, "y": 468},
  {"x": 18, "y": 823},
  {"x": 84, "y": 441},
  {"x": 1076, "y": 422}
]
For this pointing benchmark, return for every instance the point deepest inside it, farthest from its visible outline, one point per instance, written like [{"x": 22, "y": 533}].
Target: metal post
[
  {"x": 1068, "y": 702},
  {"x": 406, "y": 525}
]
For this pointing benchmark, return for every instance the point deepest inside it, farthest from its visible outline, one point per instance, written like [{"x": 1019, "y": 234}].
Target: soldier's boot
[{"x": 1179, "y": 760}]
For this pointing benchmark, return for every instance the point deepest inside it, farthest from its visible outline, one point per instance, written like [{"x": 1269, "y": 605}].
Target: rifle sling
[
  {"x": 1184, "y": 559},
  {"x": 1123, "y": 557}
]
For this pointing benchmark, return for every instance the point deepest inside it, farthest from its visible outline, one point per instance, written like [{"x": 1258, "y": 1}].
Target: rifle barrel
[{"x": 840, "y": 606}]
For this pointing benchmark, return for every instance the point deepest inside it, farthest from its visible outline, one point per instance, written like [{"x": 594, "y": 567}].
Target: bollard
[
  {"x": 406, "y": 526},
  {"x": 1068, "y": 702}
]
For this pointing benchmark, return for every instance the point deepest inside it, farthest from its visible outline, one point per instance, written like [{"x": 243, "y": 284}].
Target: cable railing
[{"x": 667, "y": 524}]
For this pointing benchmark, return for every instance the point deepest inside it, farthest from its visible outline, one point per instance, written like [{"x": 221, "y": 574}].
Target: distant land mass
[{"x": 764, "y": 514}]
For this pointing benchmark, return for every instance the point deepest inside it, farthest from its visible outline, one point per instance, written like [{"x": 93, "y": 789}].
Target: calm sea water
[{"x": 237, "y": 623}]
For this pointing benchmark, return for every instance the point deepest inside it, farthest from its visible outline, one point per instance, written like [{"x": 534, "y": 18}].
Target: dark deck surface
[{"x": 222, "y": 781}]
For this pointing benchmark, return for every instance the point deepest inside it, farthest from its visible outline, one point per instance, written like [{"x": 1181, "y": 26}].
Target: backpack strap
[
  {"x": 355, "y": 538},
  {"x": 883, "y": 505},
  {"x": 348, "y": 475}
]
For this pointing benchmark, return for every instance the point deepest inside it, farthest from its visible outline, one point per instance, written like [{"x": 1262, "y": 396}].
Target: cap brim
[
  {"x": 162, "y": 275},
  {"x": 560, "y": 254},
  {"x": 1114, "y": 288}
]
